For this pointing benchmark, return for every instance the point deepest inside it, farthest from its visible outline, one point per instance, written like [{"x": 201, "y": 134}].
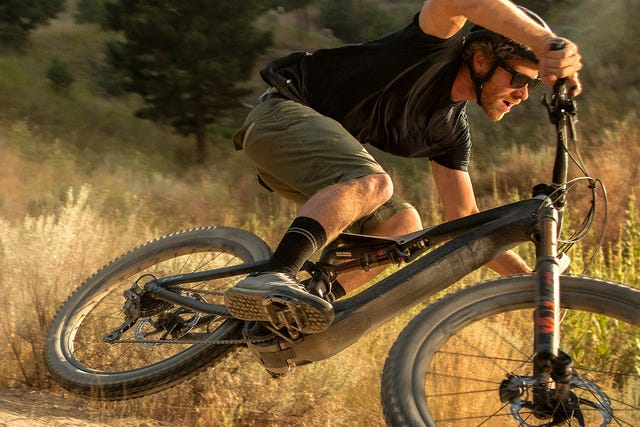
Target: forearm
[
  {"x": 456, "y": 193},
  {"x": 503, "y": 17},
  {"x": 443, "y": 18},
  {"x": 509, "y": 263},
  {"x": 500, "y": 16}
]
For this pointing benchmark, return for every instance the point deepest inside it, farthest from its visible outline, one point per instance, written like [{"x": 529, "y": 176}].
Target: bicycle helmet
[{"x": 504, "y": 48}]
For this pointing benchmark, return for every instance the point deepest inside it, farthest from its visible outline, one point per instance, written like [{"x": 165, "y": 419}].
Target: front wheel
[
  {"x": 168, "y": 344},
  {"x": 446, "y": 367}
]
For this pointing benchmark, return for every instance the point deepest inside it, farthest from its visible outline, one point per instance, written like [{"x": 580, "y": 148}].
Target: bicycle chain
[{"x": 200, "y": 342}]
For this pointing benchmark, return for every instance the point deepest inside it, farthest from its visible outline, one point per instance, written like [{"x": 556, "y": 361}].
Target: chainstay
[{"x": 199, "y": 342}]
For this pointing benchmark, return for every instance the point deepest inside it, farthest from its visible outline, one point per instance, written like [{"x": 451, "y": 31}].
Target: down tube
[{"x": 419, "y": 280}]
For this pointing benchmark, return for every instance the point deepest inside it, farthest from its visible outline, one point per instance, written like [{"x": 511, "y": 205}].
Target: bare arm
[
  {"x": 443, "y": 18},
  {"x": 458, "y": 199}
]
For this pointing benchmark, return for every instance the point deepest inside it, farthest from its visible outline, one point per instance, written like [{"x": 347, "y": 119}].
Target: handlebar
[{"x": 562, "y": 113}]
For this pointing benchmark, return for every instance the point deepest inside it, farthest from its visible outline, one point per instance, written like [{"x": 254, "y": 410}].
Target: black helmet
[{"x": 504, "y": 47}]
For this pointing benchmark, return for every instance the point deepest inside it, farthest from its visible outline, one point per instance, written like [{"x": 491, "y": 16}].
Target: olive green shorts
[{"x": 297, "y": 152}]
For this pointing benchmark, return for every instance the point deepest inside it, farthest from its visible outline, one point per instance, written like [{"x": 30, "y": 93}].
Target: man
[{"x": 406, "y": 94}]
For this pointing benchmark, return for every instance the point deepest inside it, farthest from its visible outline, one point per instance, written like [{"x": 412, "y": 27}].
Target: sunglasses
[{"x": 519, "y": 79}]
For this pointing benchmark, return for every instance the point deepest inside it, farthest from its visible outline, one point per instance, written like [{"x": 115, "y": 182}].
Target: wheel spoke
[
  {"x": 148, "y": 355},
  {"x": 455, "y": 355}
]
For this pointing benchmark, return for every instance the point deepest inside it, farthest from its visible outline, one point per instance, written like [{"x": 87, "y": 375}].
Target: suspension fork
[{"x": 549, "y": 361}]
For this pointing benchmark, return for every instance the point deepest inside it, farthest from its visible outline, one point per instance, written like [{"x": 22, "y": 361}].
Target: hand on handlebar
[{"x": 561, "y": 60}]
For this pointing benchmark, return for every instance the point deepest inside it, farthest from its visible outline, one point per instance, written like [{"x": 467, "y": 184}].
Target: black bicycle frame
[
  {"x": 492, "y": 233},
  {"x": 466, "y": 244}
]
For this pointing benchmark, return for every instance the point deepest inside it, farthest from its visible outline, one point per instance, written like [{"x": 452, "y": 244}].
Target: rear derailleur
[{"x": 153, "y": 317}]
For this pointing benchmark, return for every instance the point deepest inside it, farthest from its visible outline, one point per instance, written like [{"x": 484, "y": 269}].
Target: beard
[
  {"x": 498, "y": 101},
  {"x": 493, "y": 103}
]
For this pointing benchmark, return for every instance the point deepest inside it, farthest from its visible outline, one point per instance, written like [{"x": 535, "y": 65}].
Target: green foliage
[
  {"x": 59, "y": 75},
  {"x": 186, "y": 59},
  {"x": 614, "y": 343},
  {"x": 90, "y": 11},
  {"x": 631, "y": 237},
  {"x": 19, "y": 17},
  {"x": 623, "y": 257},
  {"x": 340, "y": 17},
  {"x": 357, "y": 20},
  {"x": 138, "y": 191}
]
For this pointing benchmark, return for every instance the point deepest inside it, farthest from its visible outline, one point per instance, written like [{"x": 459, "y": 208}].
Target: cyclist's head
[{"x": 497, "y": 48}]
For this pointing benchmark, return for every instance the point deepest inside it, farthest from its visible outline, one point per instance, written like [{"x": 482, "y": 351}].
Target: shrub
[{"x": 59, "y": 75}]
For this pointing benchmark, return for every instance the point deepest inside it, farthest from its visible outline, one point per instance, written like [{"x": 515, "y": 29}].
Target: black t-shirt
[{"x": 393, "y": 93}]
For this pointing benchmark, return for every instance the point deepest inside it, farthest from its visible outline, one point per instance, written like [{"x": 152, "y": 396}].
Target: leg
[
  {"x": 308, "y": 157},
  {"x": 313, "y": 160},
  {"x": 403, "y": 222},
  {"x": 340, "y": 205},
  {"x": 325, "y": 215},
  {"x": 276, "y": 296}
]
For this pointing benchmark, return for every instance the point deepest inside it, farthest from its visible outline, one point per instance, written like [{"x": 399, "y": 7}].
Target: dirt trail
[{"x": 30, "y": 408}]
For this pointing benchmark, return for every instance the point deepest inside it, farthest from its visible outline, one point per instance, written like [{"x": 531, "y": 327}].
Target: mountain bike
[{"x": 528, "y": 350}]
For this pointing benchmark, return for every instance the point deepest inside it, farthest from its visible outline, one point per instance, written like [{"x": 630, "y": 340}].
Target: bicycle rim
[
  {"x": 148, "y": 357},
  {"x": 447, "y": 366}
]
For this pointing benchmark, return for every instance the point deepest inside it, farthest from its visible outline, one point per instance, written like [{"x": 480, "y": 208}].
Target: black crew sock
[{"x": 304, "y": 237}]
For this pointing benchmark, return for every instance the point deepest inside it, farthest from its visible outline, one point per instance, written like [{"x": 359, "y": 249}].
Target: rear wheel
[
  {"x": 149, "y": 356},
  {"x": 447, "y": 366}
]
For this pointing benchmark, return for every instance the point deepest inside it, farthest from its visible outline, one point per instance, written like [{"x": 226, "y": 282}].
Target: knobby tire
[
  {"x": 82, "y": 362},
  {"x": 446, "y": 366}
]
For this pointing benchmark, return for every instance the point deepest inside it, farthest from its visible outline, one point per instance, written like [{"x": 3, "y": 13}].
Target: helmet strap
[{"x": 479, "y": 81}]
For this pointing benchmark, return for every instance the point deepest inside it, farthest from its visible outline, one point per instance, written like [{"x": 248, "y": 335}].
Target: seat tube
[{"x": 547, "y": 310}]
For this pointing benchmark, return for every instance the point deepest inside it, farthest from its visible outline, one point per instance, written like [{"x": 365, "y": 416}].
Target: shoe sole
[{"x": 281, "y": 309}]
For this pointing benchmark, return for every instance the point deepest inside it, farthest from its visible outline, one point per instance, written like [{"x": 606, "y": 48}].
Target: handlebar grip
[
  {"x": 557, "y": 86},
  {"x": 558, "y": 44}
]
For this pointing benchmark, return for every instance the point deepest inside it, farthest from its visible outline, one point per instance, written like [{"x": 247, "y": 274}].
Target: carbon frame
[{"x": 466, "y": 244}]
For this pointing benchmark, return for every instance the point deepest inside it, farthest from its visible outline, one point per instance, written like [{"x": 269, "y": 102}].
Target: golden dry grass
[{"x": 51, "y": 238}]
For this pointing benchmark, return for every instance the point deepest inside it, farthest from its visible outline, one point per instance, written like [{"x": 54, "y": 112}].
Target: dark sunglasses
[{"x": 519, "y": 79}]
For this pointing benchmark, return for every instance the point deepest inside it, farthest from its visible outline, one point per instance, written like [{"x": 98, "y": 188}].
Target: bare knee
[
  {"x": 403, "y": 222},
  {"x": 376, "y": 189}
]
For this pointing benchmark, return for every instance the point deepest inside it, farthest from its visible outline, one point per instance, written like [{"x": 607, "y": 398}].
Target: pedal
[
  {"x": 296, "y": 316},
  {"x": 285, "y": 313}
]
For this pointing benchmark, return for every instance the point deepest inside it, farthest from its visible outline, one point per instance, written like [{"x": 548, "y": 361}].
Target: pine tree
[
  {"x": 186, "y": 58},
  {"x": 19, "y": 17}
]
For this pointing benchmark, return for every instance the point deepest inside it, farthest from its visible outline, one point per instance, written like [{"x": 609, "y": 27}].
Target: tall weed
[{"x": 43, "y": 259}]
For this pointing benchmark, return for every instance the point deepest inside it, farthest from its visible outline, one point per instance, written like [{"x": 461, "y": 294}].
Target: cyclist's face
[{"x": 498, "y": 95}]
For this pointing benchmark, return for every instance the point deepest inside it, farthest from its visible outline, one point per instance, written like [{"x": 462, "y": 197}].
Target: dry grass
[
  {"x": 52, "y": 237},
  {"x": 45, "y": 257}
]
